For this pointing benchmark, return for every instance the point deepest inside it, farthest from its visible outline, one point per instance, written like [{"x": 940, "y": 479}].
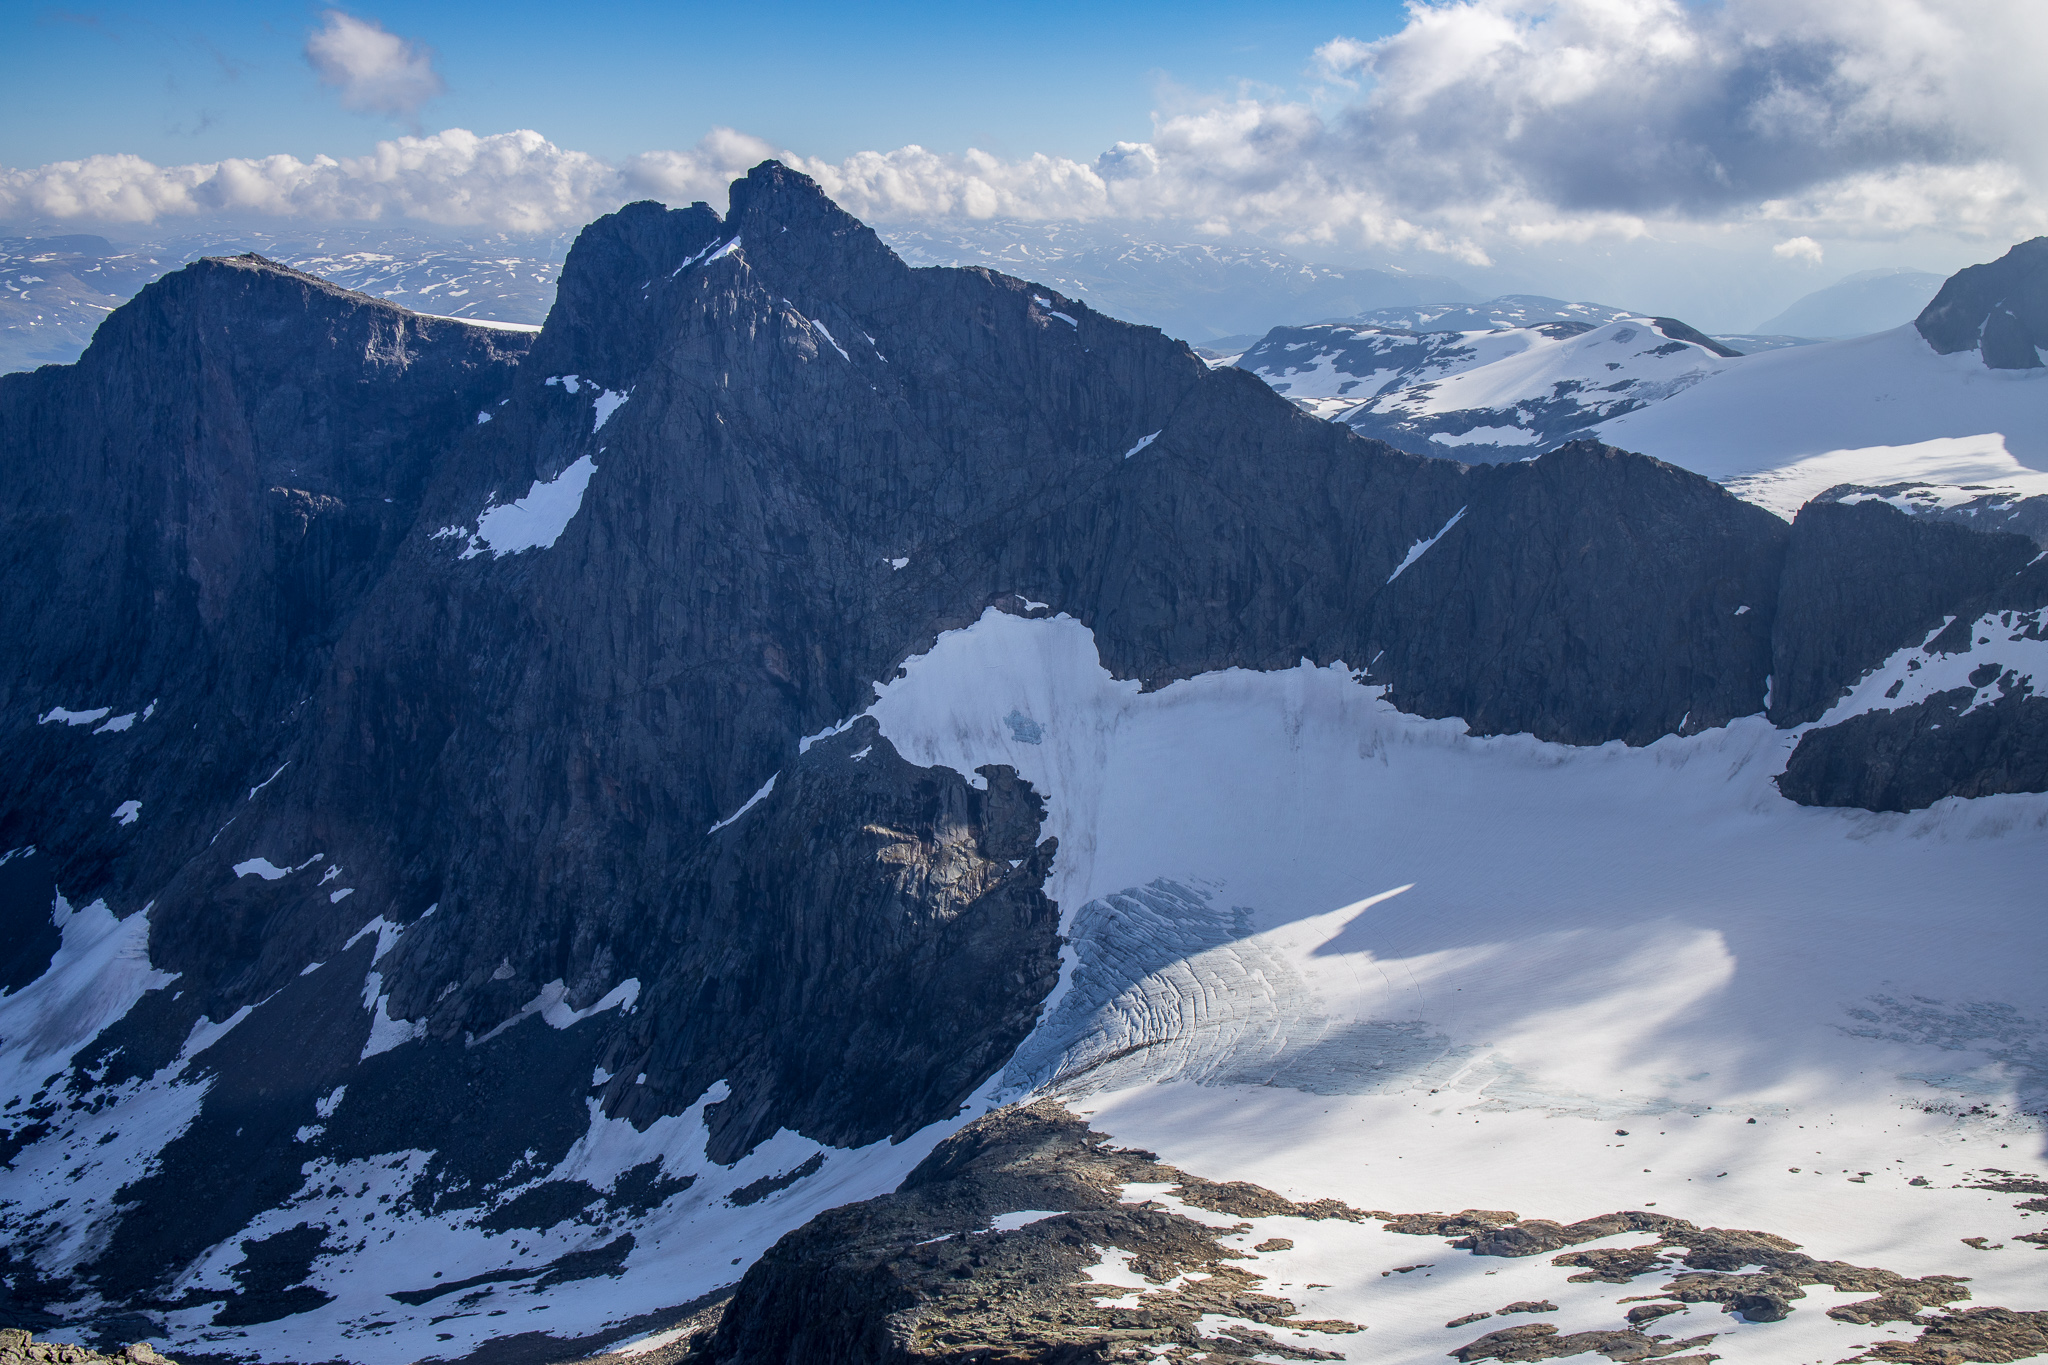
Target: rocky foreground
[
  {"x": 942, "y": 1270},
  {"x": 18, "y": 1347}
]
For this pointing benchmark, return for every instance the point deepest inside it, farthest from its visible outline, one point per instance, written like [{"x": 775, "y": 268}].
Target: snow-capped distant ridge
[
  {"x": 1868, "y": 301},
  {"x": 1505, "y": 392},
  {"x": 61, "y": 287},
  {"x": 1799, "y": 415},
  {"x": 1508, "y": 310}
]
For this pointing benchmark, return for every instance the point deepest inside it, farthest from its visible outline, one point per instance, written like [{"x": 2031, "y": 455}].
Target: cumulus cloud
[
  {"x": 1652, "y": 107},
  {"x": 376, "y": 71},
  {"x": 1480, "y": 124},
  {"x": 1798, "y": 249},
  {"x": 519, "y": 182}
]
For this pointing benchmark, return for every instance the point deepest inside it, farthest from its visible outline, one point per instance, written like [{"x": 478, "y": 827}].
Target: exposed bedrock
[
  {"x": 1961, "y": 605},
  {"x": 1865, "y": 580},
  {"x": 937, "y": 1272},
  {"x": 928, "y": 1274},
  {"x": 1999, "y": 309}
]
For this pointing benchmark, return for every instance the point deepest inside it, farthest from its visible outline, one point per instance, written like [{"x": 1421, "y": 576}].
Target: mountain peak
[
  {"x": 784, "y": 215},
  {"x": 1999, "y": 309}
]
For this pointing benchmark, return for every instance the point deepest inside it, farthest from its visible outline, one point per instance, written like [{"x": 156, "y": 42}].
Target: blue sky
[{"x": 180, "y": 82}]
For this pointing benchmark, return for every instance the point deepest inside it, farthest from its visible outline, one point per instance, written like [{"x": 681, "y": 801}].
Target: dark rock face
[
  {"x": 887, "y": 919},
  {"x": 1589, "y": 595},
  {"x": 1911, "y": 758},
  {"x": 1864, "y": 580},
  {"x": 1986, "y": 735},
  {"x": 1999, "y": 310},
  {"x": 1989, "y": 511},
  {"x": 191, "y": 513}
]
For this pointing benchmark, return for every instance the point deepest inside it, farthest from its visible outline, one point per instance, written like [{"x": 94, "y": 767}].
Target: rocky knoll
[
  {"x": 988, "y": 1252},
  {"x": 930, "y": 1274},
  {"x": 20, "y": 1348}
]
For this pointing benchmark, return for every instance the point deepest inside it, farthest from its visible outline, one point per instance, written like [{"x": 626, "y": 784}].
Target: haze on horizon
[{"x": 1713, "y": 161}]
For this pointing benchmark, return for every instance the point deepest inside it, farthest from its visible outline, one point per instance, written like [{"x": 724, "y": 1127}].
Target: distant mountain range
[
  {"x": 1197, "y": 292},
  {"x": 1485, "y": 393},
  {"x": 55, "y": 289},
  {"x": 1872, "y": 301}
]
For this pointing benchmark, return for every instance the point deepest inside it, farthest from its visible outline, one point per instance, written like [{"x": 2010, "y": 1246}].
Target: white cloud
[
  {"x": 1481, "y": 127},
  {"x": 1798, "y": 249},
  {"x": 376, "y": 71},
  {"x": 519, "y": 182}
]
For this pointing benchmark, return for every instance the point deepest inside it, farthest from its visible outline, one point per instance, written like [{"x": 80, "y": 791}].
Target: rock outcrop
[{"x": 1999, "y": 310}]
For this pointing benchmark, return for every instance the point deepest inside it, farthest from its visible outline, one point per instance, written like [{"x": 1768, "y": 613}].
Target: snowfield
[
  {"x": 1872, "y": 408},
  {"x": 1344, "y": 952}
]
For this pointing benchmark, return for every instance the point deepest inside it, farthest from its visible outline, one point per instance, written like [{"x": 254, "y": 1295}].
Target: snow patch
[
  {"x": 260, "y": 867},
  {"x": 1493, "y": 436},
  {"x": 127, "y": 812},
  {"x": 534, "y": 522},
  {"x": 58, "y": 713},
  {"x": 757, "y": 797},
  {"x": 268, "y": 780},
  {"x": 552, "y": 1005},
  {"x": 1143, "y": 441},
  {"x": 2009, "y": 643},
  {"x": 608, "y": 402},
  {"x": 386, "y": 1033},
  {"x": 1421, "y": 547},
  {"x": 100, "y": 969},
  {"x": 826, "y": 333},
  {"x": 1023, "y": 1218}
]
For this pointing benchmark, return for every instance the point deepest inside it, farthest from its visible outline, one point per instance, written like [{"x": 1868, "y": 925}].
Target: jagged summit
[{"x": 1999, "y": 309}]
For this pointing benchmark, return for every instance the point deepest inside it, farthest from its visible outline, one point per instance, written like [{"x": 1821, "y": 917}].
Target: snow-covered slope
[
  {"x": 1509, "y": 310},
  {"x": 1345, "y": 953},
  {"x": 1857, "y": 411},
  {"x": 1502, "y": 393}
]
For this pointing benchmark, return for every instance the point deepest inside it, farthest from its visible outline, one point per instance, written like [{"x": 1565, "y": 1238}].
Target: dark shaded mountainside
[{"x": 326, "y": 613}]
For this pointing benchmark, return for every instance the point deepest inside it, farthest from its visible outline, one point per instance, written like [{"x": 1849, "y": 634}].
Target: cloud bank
[
  {"x": 377, "y": 72},
  {"x": 1480, "y": 123}
]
